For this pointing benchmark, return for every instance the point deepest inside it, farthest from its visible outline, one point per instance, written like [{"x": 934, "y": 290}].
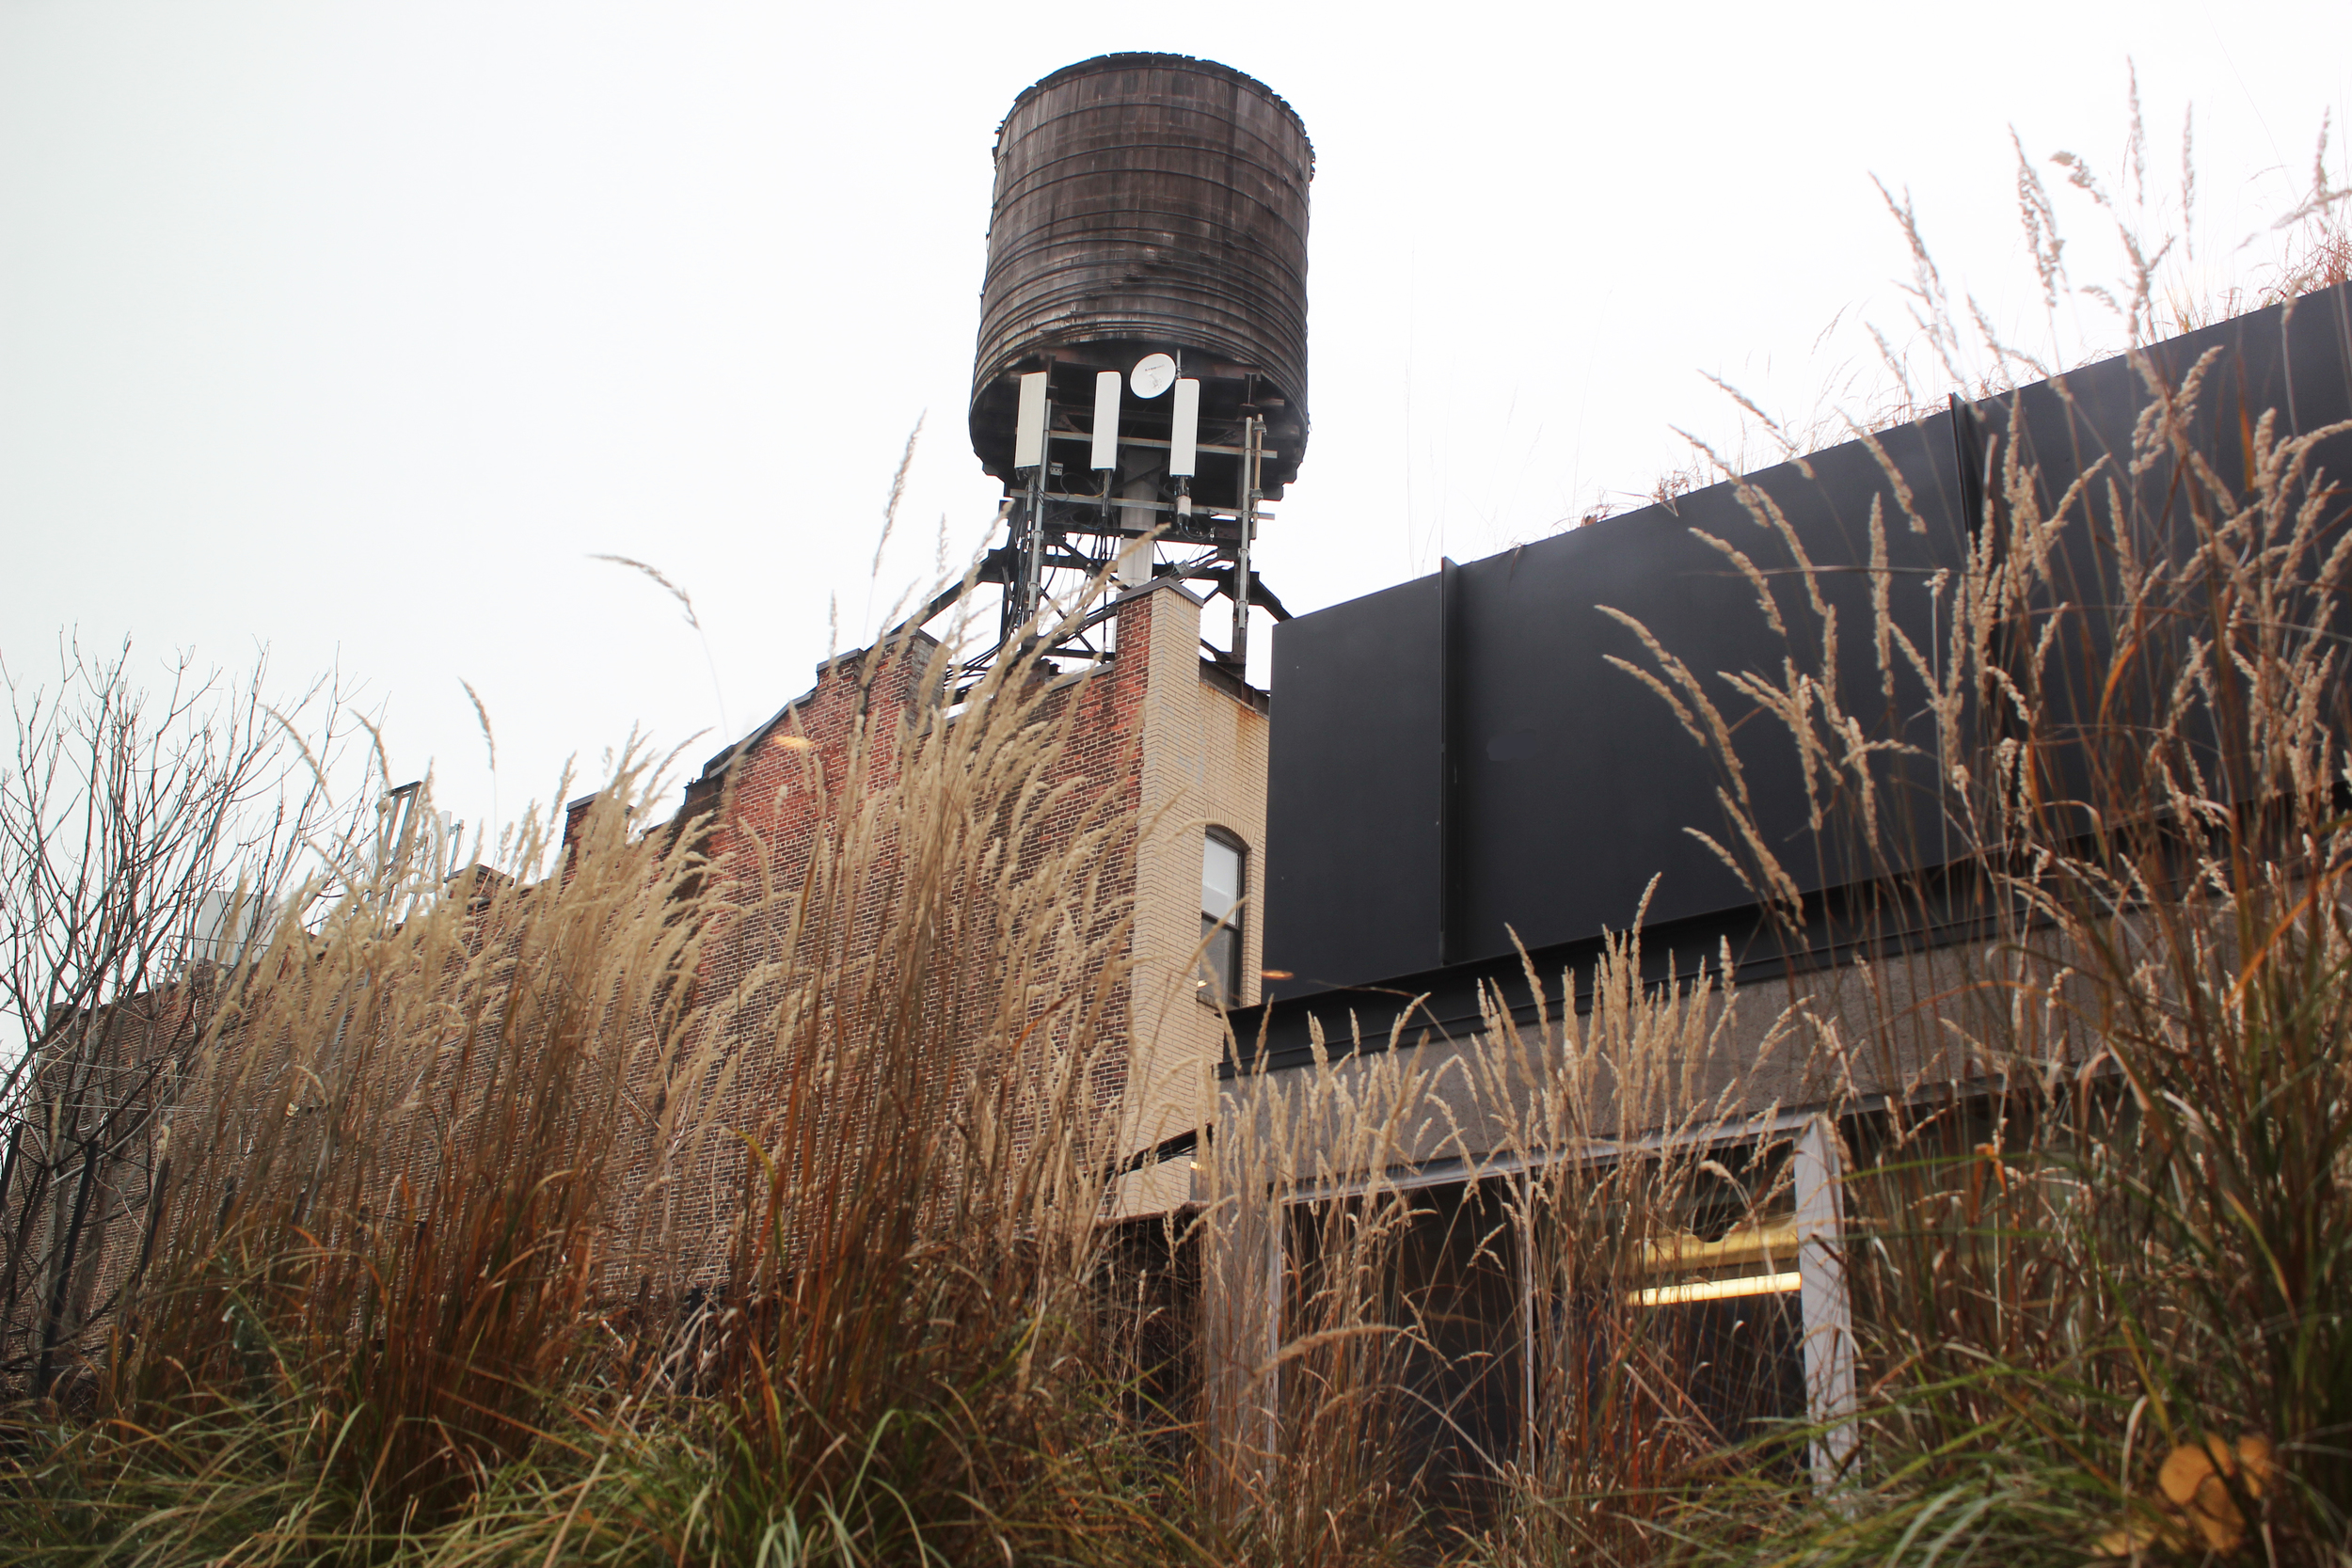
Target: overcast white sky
[{"x": 356, "y": 329}]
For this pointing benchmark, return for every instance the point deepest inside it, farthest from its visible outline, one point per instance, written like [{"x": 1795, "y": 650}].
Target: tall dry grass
[
  {"x": 428, "y": 1278},
  {"x": 428, "y": 1282},
  {"x": 1440, "y": 1291},
  {"x": 908, "y": 1338},
  {"x": 2090, "y": 1096},
  {"x": 2100, "y": 1267},
  {"x": 371, "y": 1273}
]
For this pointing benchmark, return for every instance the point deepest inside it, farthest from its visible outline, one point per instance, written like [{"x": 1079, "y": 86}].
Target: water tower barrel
[{"x": 1149, "y": 202}]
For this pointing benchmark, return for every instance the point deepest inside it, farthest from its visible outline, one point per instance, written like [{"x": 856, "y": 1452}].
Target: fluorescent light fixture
[
  {"x": 1719, "y": 1290},
  {"x": 1744, "y": 1246}
]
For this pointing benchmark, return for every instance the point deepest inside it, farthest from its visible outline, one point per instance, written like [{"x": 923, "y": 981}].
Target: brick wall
[
  {"x": 1202, "y": 764},
  {"x": 1153, "y": 748},
  {"x": 80, "y": 1166},
  {"x": 1157, "y": 740}
]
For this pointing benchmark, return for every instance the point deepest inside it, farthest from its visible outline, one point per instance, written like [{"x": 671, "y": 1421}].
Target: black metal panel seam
[
  {"x": 1448, "y": 578},
  {"x": 1967, "y": 460}
]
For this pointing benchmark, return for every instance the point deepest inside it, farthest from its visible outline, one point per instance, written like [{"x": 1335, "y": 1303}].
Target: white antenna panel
[
  {"x": 1106, "y": 418},
  {"x": 448, "y": 844},
  {"x": 227, "y": 926},
  {"x": 212, "y": 917},
  {"x": 1184, "y": 438},
  {"x": 1028, "y": 431}
]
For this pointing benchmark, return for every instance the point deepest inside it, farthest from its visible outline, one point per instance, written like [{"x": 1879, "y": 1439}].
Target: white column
[
  {"x": 1276, "y": 1291},
  {"x": 1242, "y": 1286},
  {"x": 1827, "y": 1309}
]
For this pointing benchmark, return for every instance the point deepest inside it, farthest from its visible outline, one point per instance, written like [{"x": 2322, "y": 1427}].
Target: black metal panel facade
[
  {"x": 1356, "y": 719},
  {"x": 1570, "y": 787},
  {"x": 1575, "y": 784}
]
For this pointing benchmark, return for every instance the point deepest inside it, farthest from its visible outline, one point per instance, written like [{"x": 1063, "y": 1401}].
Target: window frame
[{"x": 1231, "y": 927}]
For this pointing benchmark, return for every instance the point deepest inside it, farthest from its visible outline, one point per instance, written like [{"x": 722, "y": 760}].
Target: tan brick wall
[{"x": 1203, "y": 764}]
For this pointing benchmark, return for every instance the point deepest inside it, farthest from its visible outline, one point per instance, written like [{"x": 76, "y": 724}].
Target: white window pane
[
  {"x": 1220, "y": 877},
  {"x": 1220, "y": 961}
]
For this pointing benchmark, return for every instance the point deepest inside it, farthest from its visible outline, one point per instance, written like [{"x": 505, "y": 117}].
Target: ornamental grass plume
[
  {"x": 419, "y": 1263},
  {"x": 426, "y": 1273},
  {"x": 2109, "y": 1249}
]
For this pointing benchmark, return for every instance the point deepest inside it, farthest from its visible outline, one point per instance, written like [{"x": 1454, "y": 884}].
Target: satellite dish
[{"x": 1153, "y": 373}]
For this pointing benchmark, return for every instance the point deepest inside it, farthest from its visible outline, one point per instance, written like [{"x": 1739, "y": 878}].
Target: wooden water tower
[{"x": 1140, "y": 382}]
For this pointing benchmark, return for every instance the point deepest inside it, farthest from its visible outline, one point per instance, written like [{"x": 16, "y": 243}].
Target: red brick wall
[
  {"x": 762, "y": 816},
  {"x": 770, "y": 801}
]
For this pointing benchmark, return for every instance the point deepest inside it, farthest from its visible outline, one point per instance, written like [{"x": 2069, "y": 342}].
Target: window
[{"x": 1221, "y": 886}]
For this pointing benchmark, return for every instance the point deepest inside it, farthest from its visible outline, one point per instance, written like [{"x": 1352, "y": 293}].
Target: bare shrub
[{"x": 145, "y": 831}]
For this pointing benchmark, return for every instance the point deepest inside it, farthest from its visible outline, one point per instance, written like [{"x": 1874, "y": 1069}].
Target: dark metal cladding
[
  {"x": 1564, "y": 794},
  {"x": 1150, "y": 203}
]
